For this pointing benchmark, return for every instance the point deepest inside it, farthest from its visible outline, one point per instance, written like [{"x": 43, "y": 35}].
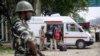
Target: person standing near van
[
  {"x": 42, "y": 37},
  {"x": 49, "y": 36},
  {"x": 56, "y": 33},
  {"x": 56, "y": 36}
]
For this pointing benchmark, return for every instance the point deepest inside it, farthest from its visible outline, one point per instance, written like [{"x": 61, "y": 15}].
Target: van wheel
[{"x": 80, "y": 44}]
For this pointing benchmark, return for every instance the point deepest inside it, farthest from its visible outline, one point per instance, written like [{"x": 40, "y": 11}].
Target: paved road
[{"x": 93, "y": 50}]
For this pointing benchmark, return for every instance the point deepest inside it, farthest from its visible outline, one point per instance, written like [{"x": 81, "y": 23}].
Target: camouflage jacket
[{"x": 22, "y": 33}]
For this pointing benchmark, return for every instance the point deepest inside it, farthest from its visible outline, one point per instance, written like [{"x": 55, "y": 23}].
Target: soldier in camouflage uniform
[{"x": 23, "y": 40}]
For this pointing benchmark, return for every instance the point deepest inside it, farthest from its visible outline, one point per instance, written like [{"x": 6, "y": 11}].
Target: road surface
[{"x": 93, "y": 50}]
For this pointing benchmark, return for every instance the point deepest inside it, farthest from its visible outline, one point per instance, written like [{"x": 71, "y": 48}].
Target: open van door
[{"x": 50, "y": 25}]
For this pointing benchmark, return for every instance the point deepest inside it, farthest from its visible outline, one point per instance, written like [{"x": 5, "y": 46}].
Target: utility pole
[
  {"x": 6, "y": 31},
  {"x": 2, "y": 29}
]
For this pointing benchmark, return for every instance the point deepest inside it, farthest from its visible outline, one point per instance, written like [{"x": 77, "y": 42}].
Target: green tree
[
  {"x": 80, "y": 20},
  {"x": 64, "y": 7},
  {"x": 48, "y": 7}
]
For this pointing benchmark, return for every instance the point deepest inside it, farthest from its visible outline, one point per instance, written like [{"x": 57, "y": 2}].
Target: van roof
[{"x": 41, "y": 19}]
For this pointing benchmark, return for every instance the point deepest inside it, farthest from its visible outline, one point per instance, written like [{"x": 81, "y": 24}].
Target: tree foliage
[
  {"x": 80, "y": 20},
  {"x": 64, "y": 7},
  {"x": 48, "y": 7}
]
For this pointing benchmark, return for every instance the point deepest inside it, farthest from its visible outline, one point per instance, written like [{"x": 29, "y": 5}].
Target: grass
[{"x": 5, "y": 49}]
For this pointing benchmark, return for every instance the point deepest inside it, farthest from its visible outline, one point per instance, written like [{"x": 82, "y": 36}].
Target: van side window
[{"x": 71, "y": 27}]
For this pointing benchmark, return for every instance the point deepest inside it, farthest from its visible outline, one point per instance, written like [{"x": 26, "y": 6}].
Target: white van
[{"x": 71, "y": 32}]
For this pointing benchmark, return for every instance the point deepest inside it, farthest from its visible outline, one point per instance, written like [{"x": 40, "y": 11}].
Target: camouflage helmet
[{"x": 24, "y": 6}]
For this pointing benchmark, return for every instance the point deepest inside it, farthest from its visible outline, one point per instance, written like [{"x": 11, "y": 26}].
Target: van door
[
  {"x": 51, "y": 24},
  {"x": 71, "y": 33}
]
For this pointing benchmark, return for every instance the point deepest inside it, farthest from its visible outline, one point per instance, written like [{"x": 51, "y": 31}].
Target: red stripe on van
[
  {"x": 75, "y": 37},
  {"x": 53, "y": 22}
]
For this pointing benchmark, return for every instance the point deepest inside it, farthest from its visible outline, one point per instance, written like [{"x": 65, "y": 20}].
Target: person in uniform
[
  {"x": 23, "y": 36},
  {"x": 42, "y": 37}
]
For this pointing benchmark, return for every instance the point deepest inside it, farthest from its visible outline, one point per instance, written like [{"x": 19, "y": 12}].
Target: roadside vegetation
[{"x": 5, "y": 48}]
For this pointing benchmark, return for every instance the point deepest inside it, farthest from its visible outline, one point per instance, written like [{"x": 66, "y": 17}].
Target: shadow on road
[{"x": 77, "y": 48}]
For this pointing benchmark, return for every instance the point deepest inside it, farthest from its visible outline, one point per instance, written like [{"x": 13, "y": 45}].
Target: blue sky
[{"x": 93, "y": 13}]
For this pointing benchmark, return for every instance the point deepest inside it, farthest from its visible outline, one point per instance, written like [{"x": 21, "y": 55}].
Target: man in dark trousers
[{"x": 49, "y": 35}]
